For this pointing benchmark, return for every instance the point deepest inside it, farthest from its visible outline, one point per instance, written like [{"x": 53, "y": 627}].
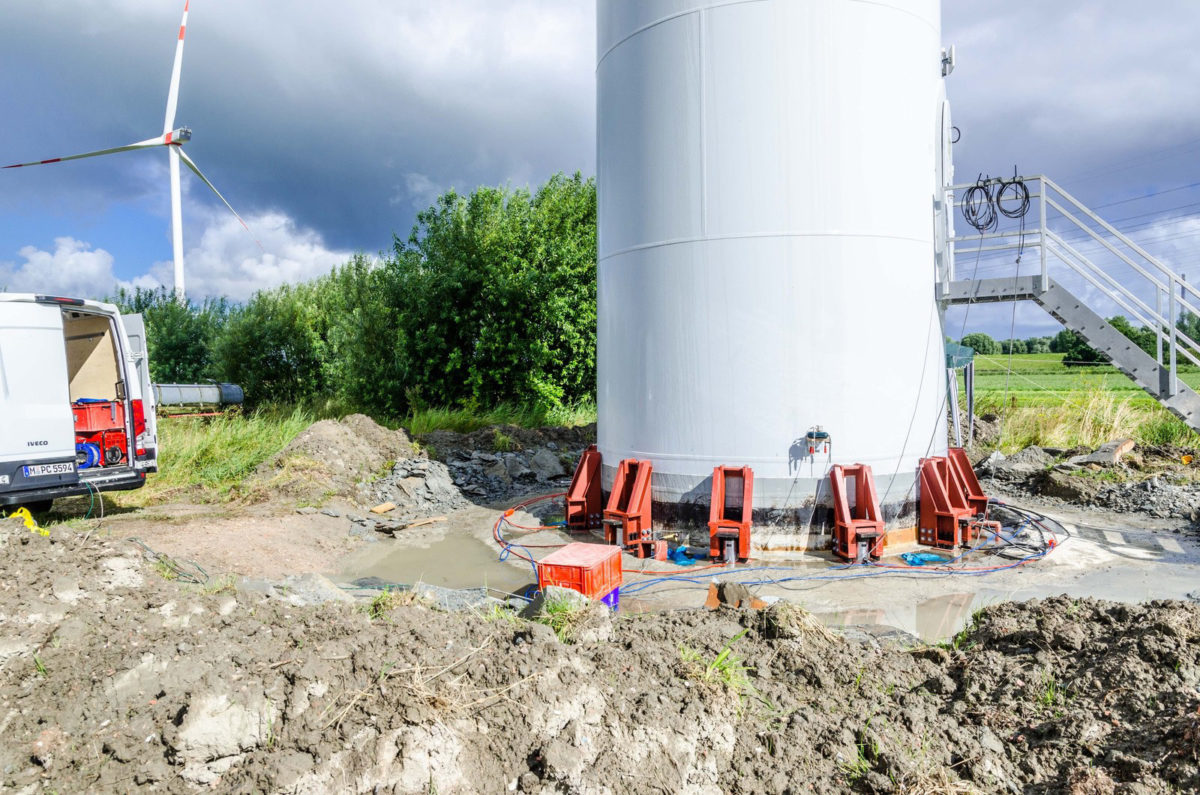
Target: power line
[
  {"x": 1147, "y": 195},
  {"x": 1151, "y": 156}
]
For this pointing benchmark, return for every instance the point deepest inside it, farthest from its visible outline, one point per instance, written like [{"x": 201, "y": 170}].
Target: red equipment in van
[{"x": 100, "y": 425}]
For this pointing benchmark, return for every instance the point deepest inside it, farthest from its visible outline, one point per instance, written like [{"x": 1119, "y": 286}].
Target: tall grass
[
  {"x": 1088, "y": 419},
  {"x": 468, "y": 420},
  {"x": 209, "y": 457},
  {"x": 216, "y": 454}
]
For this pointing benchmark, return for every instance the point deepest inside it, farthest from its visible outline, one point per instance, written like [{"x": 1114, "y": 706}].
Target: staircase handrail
[
  {"x": 1171, "y": 275},
  {"x": 1165, "y": 281}
]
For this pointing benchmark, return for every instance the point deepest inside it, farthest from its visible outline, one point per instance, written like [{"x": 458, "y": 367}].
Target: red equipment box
[
  {"x": 592, "y": 569},
  {"x": 101, "y": 424},
  {"x": 108, "y": 415}
]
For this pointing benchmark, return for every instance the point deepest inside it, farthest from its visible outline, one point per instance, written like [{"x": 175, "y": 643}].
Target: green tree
[
  {"x": 981, "y": 343},
  {"x": 273, "y": 346},
  {"x": 1075, "y": 350},
  {"x": 499, "y": 296},
  {"x": 362, "y": 359},
  {"x": 491, "y": 299},
  {"x": 179, "y": 334},
  {"x": 1013, "y": 346},
  {"x": 1038, "y": 345}
]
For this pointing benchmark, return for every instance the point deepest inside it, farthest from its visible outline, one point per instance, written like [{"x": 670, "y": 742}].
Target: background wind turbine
[{"x": 173, "y": 139}]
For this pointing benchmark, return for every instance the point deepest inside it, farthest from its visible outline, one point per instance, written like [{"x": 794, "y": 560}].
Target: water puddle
[
  {"x": 932, "y": 620},
  {"x": 452, "y": 561},
  {"x": 932, "y": 608}
]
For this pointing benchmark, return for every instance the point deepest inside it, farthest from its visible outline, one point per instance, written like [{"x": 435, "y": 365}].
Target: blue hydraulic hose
[{"x": 874, "y": 572}]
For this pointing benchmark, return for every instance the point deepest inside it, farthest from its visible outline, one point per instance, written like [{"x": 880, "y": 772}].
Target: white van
[{"x": 76, "y": 404}]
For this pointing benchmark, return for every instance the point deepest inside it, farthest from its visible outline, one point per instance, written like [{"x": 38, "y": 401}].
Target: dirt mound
[
  {"x": 329, "y": 458},
  {"x": 114, "y": 678}
]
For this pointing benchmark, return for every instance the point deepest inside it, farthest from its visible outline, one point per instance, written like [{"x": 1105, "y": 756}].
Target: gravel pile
[
  {"x": 416, "y": 485},
  {"x": 1056, "y": 476},
  {"x": 1154, "y": 496},
  {"x": 494, "y": 476}
]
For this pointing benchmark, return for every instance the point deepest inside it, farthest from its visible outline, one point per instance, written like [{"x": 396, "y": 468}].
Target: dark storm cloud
[
  {"x": 344, "y": 118},
  {"x": 1079, "y": 91},
  {"x": 325, "y": 112}
]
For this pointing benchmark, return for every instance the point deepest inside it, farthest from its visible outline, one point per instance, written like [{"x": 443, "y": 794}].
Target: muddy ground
[
  {"x": 308, "y": 507},
  {"x": 113, "y": 677},
  {"x": 124, "y": 669}
]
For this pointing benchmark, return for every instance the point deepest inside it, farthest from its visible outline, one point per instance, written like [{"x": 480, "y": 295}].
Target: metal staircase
[{"x": 1079, "y": 254}]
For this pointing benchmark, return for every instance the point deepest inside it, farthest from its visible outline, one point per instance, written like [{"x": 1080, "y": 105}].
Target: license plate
[{"x": 37, "y": 470}]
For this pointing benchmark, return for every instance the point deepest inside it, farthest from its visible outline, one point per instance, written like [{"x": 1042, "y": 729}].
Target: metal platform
[{"x": 1127, "y": 277}]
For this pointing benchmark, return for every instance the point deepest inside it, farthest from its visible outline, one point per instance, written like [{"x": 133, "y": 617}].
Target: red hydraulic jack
[
  {"x": 858, "y": 532},
  {"x": 730, "y": 515},
  {"x": 953, "y": 506},
  {"x": 585, "y": 500},
  {"x": 627, "y": 515}
]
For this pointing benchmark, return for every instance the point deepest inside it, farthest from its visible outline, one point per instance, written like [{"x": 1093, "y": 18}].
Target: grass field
[
  {"x": 1042, "y": 401},
  {"x": 1041, "y": 379}
]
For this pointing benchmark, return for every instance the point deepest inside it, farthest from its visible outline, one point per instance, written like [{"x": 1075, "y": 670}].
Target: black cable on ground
[
  {"x": 188, "y": 571},
  {"x": 1041, "y": 538}
]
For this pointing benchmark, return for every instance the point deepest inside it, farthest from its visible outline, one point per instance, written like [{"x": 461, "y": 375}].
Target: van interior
[{"x": 98, "y": 392}]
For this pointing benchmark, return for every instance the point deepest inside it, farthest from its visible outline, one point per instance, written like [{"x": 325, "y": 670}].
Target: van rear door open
[
  {"x": 147, "y": 442},
  {"x": 36, "y": 425}
]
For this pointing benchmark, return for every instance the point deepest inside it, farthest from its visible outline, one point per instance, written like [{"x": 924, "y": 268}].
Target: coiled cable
[{"x": 978, "y": 208}]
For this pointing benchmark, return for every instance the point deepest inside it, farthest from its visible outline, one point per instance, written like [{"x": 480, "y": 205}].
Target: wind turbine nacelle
[{"x": 179, "y": 136}]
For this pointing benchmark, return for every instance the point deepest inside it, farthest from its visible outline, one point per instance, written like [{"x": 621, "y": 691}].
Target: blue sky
[{"x": 328, "y": 125}]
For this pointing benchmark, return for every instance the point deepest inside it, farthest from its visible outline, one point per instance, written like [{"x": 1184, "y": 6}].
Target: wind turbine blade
[
  {"x": 173, "y": 91},
  {"x": 139, "y": 145},
  {"x": 195, "y": 170}
]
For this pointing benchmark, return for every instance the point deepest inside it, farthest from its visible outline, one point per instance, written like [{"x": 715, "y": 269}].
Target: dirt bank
[
  {"x": 114, "y": 678},
  {"x": 1161, "y": 482}
]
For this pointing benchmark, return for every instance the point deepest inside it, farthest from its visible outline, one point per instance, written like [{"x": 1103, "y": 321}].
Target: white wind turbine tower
[{"x": 173, "y": 139}]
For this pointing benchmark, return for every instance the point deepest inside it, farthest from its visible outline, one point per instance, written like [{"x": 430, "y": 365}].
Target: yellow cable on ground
[{"x": 30, "y": 522}]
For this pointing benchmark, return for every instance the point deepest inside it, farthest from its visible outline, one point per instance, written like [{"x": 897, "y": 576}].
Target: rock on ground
[
  {"x": 1148, "y": 481},
  {"x": 527, "y": 460}
]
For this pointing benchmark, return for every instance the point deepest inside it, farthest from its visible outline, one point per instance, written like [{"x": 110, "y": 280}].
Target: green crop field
[
  {"x": 1040, "y": 400},
  {"x": 1041, "y": 379}
]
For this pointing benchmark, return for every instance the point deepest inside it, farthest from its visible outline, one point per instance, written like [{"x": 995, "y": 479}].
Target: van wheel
[{"x": 41, "y": 506}]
